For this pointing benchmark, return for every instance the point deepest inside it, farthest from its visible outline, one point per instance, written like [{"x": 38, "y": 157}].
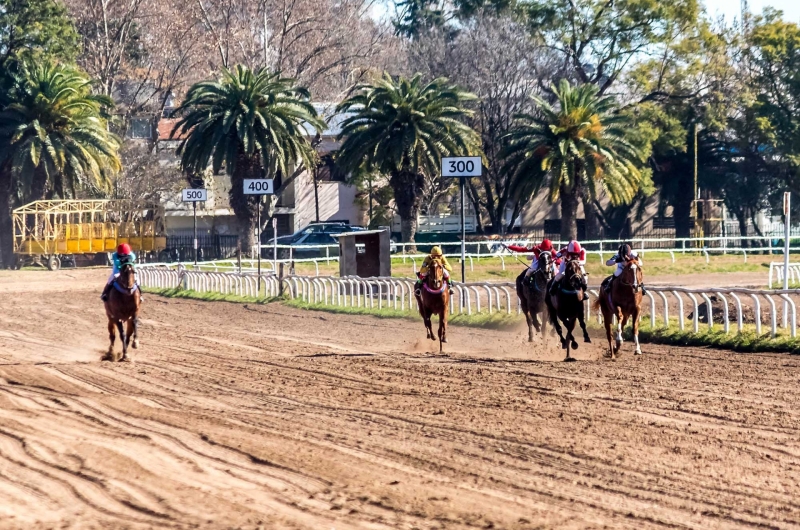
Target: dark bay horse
[
  {"x": 122, "y": 308},
  {"x": 624, "y": 302},
  {"x": 532, "y": 294},
  {"x": 566, "y": 305},
  {"x": 434, "y": 299}
]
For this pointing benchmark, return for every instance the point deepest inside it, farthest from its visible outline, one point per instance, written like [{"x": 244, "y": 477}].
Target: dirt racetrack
[{"x": 236, "y": 416}]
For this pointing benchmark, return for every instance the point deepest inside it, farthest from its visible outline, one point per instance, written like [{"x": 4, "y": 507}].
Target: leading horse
[
  {"x": 624, "y": 302},
  {"x": 434, "y": 299},
  {"x": 566, "y": 305},
  {"x": 122, "y": 310},
  {"x": 532, "y": 293}
]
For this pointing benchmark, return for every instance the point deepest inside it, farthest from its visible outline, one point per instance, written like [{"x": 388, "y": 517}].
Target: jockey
[
  {"x": 436, "y": 254},
  {"x": 572, "y": 252},
  {"x": 123, "y": 253},
  {"x": 544, "y": 246},
  {"x": 624, "y": 255}
]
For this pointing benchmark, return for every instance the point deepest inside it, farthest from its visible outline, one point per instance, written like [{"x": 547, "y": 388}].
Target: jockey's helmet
[
  {"x": 436, "y": 251},
  {"x": 574, "y": 247},
  {"x": 624, "y": 250},
  {"x": 546, "y": 245},
  {"x": 123, "y": 250}
]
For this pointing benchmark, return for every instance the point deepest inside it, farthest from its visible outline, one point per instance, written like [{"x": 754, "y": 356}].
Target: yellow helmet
[{"x": 436, "y": 251}]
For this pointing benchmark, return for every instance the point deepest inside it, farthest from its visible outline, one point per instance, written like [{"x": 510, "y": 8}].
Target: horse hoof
[
  {"x": 569, "y": 360},
  {"x": 637, "y": 352},
  {"x": 587, "y": 340},
  {"x": 125, "y": 359},
  {"x": 108, "y": 357},
  {"x": 444, "y": 341},
  {"x": 136, "y": 345},
  {"x": 574, "y": 345},
  {"x": 563, "y": 345}
]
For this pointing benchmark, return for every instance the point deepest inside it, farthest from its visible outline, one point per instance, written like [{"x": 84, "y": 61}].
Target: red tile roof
[{"x": 165, "y": 127}]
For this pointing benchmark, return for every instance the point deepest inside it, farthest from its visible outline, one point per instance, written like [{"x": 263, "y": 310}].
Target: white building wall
[{"x": 337, "y": 202}]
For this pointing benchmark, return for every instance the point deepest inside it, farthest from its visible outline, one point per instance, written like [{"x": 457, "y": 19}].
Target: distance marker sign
[
  {"x": 194, "y": 195},
  {"x": 462, "y": 166},
  {"x": 258, "y": 187}
]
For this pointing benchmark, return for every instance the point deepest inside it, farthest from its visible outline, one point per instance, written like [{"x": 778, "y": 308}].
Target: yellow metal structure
[{"x": 86, "y": 227}]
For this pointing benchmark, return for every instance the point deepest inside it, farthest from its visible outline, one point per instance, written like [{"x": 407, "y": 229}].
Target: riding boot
[
  {"x": 643, "y": 291},
  {"x": 106, "y": 290}
]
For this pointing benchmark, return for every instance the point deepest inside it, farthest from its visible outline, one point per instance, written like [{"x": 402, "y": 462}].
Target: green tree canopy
[
  {"x": 35, "y": 28},
  {"x": 252, "y": 124},
  {"x": 402, "y": 128},
  {"x": 576, "y": 148}
]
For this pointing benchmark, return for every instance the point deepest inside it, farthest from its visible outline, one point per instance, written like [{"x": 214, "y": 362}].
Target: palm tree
[
  {"x": 54, "y": 133},
  {"x": 54, "y": 139},
  {"x": 573, "y": 149},
  {"x": 402, "y": 128},
  {"x": 253, "y": 124}
]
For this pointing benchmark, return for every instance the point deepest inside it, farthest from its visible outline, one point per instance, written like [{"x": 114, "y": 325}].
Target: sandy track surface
[{"x": 237, "y": 416}]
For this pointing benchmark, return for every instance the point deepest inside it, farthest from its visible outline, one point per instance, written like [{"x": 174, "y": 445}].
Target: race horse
[
  {"x": 624, "y": 302},
  {"x": 122, "y": 309},
  {"x": 566, "y": 305},
  {"x": 532, "y": 293},
  {"x": 434, "y": 299}
]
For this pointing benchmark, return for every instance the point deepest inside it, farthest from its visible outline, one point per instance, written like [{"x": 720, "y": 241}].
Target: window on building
[{"x": 140, "y": 128}]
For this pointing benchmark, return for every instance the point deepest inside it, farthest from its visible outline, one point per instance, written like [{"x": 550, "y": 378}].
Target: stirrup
[
  {"x": 104, "y": 297},
  {"x": 418, "y": 292}
]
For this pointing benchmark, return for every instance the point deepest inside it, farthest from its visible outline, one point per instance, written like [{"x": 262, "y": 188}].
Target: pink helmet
[{"x": 574, "y": 247}]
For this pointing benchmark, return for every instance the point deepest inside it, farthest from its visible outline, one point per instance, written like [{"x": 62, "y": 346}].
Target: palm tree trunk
[
  {"x": 407, "y": 186},
  {"x": 592, "y": 219},
  {"x": 6, "y": 227},
  {"x": 569, "y": 212},
  {"x": 245, "y": 207}
]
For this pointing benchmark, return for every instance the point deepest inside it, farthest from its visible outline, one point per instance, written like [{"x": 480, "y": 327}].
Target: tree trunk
[
  {"x": 245, "y": 206},
  {"x": 742, "y": 218},
  {"x": 682, "y": 209},
  {"x": 593, "y": 228},
  {"x": 569, "y": 212},
  {"x": 6, "y": 227},
  {"x": 407, "y": 187}
]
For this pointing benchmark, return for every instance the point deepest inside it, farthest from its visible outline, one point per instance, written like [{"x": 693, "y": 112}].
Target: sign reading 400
[
  {"x": 461, "y": 166},
  {"x": 258, "y": 187}
]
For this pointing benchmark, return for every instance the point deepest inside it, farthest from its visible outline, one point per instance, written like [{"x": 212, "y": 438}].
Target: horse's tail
[{"x": 596, "y": 305}]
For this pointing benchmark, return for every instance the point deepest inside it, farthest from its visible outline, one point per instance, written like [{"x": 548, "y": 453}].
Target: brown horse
[
  {"x": 434, "y": 299},
  {"x": 624, "y": 302},
  {"x": 566, "y": 304},
  {"x": 532, "y": 293},
  {"x": 122, "y": 307}
]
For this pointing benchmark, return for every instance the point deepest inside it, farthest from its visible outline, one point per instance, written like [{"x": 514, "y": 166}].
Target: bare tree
[{"x": 493, "y": 57}]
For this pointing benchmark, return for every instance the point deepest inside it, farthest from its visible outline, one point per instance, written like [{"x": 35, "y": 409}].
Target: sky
[{"x": 732, "y": 8}]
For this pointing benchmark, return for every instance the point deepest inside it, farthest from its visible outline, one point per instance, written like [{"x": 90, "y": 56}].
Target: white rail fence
[
  {"x": 776, "y": 273},
  {"x": 690, "y": 307}
]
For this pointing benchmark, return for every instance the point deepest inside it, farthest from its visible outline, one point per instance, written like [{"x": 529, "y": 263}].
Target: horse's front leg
[
  {"x": 530, "y": 319},
  {"x": 557, "y": 326},
  {"x": 570, "y": 325},
  {"x": 635, "y": 318},
  {"x": 582, "y": 322},
  {"x": 111, "y": 338},
  {"x": 123, "y": 340},
  {"x": 136, "y": 332},
  {"x": 620, "y": 324},
  {"x": 442, "y": 328}
]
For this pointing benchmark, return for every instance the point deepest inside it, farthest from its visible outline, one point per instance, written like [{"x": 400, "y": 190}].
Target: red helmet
[
  {"x": 546, "y": 245},
  {"x": 124, "y": 249},
  {"x": 574, "y": 247}
]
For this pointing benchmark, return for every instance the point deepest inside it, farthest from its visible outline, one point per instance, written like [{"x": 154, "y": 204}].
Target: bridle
[
  {"x": 543, "y": 270},
  {"x": 572, "y": 275},
  {"x": 435, "y": 279},
  {"x": 633, "y": 266}
]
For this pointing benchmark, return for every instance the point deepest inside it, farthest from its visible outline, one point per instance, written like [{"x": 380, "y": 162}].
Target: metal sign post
[
  {"x": 275, "y": 244},
  {"x": 787, "y": 216},
  {"x": 462, "y": 167},
  {"x": 194, "y": 196},
  {"x": 258, "y": 187}
]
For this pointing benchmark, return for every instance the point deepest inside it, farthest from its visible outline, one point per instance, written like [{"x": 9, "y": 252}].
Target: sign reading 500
[{"x": 258, "y": 187}]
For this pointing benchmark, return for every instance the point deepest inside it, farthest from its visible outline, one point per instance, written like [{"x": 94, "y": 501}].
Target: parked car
[{"x": 307, "y": 242}]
